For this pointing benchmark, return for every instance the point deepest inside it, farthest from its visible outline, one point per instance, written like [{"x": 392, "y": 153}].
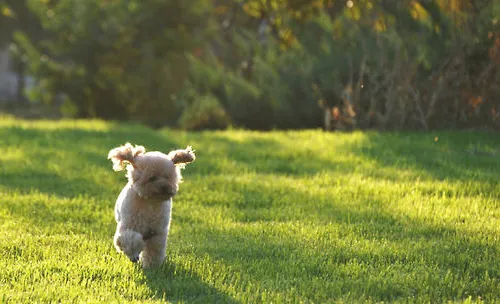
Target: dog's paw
[{"x": 130, "y": 243}]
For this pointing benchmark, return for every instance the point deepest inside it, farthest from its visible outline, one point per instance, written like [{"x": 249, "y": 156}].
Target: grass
[{"x": 299, "y": 216}]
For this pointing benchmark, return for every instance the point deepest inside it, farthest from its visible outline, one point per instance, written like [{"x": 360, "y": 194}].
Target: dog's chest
[
  {"x": 146, "y": 217},
  {"x": 154, "y": 214}
]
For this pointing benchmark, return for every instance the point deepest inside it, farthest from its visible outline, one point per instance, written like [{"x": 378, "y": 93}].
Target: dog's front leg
[
  {"x": 129, "y": 242},
  {"x": 154, "y": 251}
]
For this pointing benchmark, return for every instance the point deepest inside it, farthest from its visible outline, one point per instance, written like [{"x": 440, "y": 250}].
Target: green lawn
[{"x": 300, "y": 216}]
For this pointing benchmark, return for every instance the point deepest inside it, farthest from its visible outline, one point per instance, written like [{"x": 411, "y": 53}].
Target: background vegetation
[
  {"x": 262, "y": 64},
  {"x": 296, "y": 216}
]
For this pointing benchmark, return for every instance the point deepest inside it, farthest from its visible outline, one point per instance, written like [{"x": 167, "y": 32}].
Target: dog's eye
[{"x": 152, "y": 179}]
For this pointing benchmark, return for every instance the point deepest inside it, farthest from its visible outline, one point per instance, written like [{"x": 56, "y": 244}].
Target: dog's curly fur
[{"x": 143, "y": 208}]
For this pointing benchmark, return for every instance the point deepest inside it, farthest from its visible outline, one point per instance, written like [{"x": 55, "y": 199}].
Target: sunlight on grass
[
  {"x": 64, "y": 124},
  {"x": 297, "y": 216},
  {"x": 12, "y": 154}
]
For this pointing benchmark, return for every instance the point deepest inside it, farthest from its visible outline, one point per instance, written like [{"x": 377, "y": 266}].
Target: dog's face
[{"x": 154, "y": 175}]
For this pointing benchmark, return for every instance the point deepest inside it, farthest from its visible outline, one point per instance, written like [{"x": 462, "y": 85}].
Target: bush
[{"x": 204, "y": 113}]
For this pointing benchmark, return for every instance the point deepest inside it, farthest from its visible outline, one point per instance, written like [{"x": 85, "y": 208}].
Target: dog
[{"x": 143, "y": 208}]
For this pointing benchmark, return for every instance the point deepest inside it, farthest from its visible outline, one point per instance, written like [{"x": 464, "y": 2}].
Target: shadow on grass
[
  {"x": 457, "y": 156},
  {"x": 288, "y": 266},
  {"x": 221, "y": 154},
  {"x": 173, "y": 283},
  {"x": 339, "y": 235},
  {"x": 392, "y": 155},
  {"x": 69, "y": 162}
]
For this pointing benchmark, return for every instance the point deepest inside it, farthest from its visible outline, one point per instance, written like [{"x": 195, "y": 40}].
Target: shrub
[{"x": 204, "y": 113}]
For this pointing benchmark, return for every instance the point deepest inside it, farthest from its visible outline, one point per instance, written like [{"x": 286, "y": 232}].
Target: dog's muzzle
[
  {"x": 134, "y": 259},
  {"x": 167, "y": 191}
]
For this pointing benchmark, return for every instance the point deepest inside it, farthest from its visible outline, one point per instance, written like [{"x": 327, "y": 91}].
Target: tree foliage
[
  {"x": 113, "y": 59},
  {"x": 266, "y": 64}
]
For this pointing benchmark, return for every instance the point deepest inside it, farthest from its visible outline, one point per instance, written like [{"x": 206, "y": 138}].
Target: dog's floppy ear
[
  {"x": 122, "y": 155},
  {"x": 182, "y": 157}
]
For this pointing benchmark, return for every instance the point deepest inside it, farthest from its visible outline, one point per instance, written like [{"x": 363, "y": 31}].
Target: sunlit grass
[{"x": 299, "y": 216}]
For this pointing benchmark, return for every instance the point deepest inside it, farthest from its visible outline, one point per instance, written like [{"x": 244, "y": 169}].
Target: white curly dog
[{"x": 143, "y": 208}]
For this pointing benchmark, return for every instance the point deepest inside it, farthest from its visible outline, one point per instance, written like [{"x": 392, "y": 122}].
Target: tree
[{"x": 114, "y": 59}]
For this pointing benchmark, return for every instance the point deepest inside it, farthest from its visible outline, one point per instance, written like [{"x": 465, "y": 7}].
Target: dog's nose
[
  {"x": 134, "y": 259},
  {"x": 164, "y": 189}
]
